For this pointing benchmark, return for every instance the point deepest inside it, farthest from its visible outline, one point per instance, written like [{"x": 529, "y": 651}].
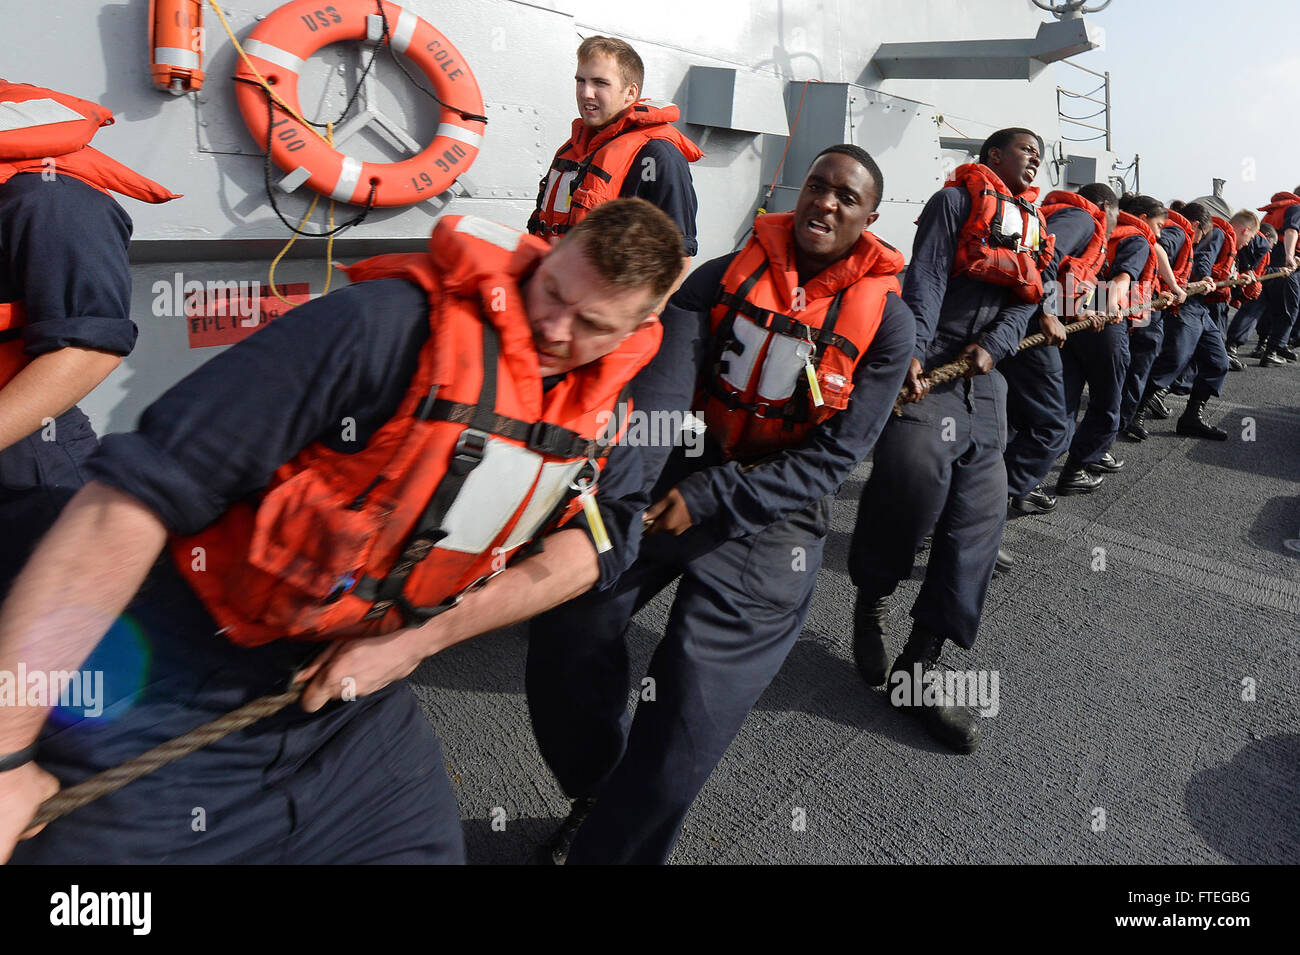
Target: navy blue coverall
[
  {"x": 747, "y": 570},
  {"x": 1248, "y": 313},
  {"x": 360, "y": 781},
  {"x": 939, "y": 466},
  {"x": 1193, "y": 334},
  {"x": 1145, "y": 341},
  {"x": 1282, "y": 296},
  {"x": 1101, "y": 360},
  {"x": 63, "y": 254},
  {"x": 1036, "y": 409}
]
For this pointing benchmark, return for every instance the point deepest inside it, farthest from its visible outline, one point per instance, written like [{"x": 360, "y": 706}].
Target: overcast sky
[{"x": 1196, "y": 90}]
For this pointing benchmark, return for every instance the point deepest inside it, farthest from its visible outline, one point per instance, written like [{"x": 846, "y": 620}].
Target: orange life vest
[
  {"x": 1078, "y": 274},
  {"x": 590, "y": 168},
  {"x": 1143, "y": 288},
  {"x": 45, "y": 131},
  {"x": 1004, "y": 240},
  {"x": 1276, "y": 209},
  {"x": 768, "y": 330},
  {"x": 1252, "y": 291},
  {"x": 1181, "y": 265},
  {"x": 476, "y": 462},
  {"x": 1225, "y": 266}
]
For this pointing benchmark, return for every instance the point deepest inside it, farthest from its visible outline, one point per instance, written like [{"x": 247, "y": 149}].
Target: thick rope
[
  {"x": 114, "y": 778},
  {"x": 958, "y": 368}
]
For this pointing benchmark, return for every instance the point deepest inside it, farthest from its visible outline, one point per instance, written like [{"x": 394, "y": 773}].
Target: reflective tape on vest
[
  {"x": 273, "y": 54},
  {"x": 34, "y": 112},
  {"x": 558, "y": 191},
  {"x": 503, "y": 237},
  {"x": 552, "y": 486},
  {"x": 785, "y": 361}
]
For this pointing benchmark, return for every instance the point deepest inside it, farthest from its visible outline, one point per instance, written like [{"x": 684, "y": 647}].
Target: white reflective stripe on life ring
[
  {"x": 404, "y": 30},
  {"x": 466, "y": 136},
  {"x": 175, "y": 56},
  {"x": 273, "y": 54},
  {"x": 349, "y": 176}
]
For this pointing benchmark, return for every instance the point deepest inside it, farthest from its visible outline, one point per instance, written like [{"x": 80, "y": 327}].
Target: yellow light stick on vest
[
  {"x": 814, "y": 389},
  {"x": 809, "y": 370},
  {"x": 595, "y": 523}
]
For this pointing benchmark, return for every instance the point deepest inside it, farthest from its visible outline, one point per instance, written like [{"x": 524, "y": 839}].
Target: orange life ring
[{"x": 279, "y": 46}]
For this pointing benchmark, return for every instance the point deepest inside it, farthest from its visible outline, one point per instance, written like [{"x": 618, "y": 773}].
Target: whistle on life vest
[{"x": 176, "y": 45}]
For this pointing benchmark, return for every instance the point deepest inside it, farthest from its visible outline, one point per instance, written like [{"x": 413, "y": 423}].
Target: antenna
[{"x": 1071, "y": 9}]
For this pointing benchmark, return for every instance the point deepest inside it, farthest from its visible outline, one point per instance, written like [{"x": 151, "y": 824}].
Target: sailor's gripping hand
[
  {"x": 350, "y": 669},
  {"x": 668, "y": 515},
  {"x": 981, "y": 362},
  {"x": 22, "y": 791}
]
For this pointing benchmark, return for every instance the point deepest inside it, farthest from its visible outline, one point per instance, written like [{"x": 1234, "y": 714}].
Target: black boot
[
  {"x": 1004, "y": 561},
  {"x": 1192, "y": 424},
  {"x": 1037, "y": 501},
  {"x": 1136, "y": 430},
  {"x": 1156, "y": 405},
  {"x": 1271, "y": 359},
  {"x": 1075, "y": 479},
  {"x": 957, "y": 727},
  {"x": 870, "y": 623},
  {"x": 555, "y": 850},
  {"x": 1106, "y": 464}
]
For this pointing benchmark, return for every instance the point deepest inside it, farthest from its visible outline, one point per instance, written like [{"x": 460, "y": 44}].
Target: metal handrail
[
  {"x": 1103, "y": 103},
  {"x": 1085, "y": 69}
]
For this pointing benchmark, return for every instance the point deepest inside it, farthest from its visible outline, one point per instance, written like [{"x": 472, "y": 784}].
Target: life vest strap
[
  {"x": 466, "y": 456},
  {"x": 565, "y": 164},
  {"x": 759, "y": 409},
  {"x": 541, "y": 436},
  {"x": 780, "y": 324}
]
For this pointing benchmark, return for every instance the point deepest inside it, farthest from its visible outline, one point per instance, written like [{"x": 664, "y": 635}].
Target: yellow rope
[
  {"x": 328, "y": 137},
  {"x": 260, "y": 78}
]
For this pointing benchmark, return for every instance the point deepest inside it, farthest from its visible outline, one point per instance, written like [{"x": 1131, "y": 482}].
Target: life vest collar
[
  {"x": 1135, "y": 225},
  {"x": 1280, "y": 200},
  {"x": 869, "y": 256},
  {"x": 643, "y": 113}
]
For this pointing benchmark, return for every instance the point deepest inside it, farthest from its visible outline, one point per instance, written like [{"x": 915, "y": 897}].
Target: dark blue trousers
[
  {"x": 938, "y": 468},
  {"x": 739, "y": 608},
  {"x": 1281, "y": 305},
  {"x": 1035, "y": 416},
  {"x": 1192, "y": 335},
  {"x": 1144, "y": 346},
  {"x": 1244, "y": 320},
  {"x": 357, "y": 782},
  {"x": 1100, "y": 360}
]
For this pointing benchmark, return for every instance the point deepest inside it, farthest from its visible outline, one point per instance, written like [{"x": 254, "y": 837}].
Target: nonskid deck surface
[{"x": 1121, "y": 736}]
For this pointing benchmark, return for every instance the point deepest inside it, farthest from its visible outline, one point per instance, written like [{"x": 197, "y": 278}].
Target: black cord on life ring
[
  {"x": 270, "y": 192},
  {"x": 467, "y": 116}
]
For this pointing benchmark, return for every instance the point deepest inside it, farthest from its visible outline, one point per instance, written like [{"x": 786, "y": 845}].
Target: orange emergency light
[{"x": 176, "y": 45}]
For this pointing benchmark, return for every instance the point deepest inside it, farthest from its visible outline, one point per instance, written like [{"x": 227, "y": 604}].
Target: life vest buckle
[
  {"x": 469, "y": 450},
  {"x": 551, "y": 439}
]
